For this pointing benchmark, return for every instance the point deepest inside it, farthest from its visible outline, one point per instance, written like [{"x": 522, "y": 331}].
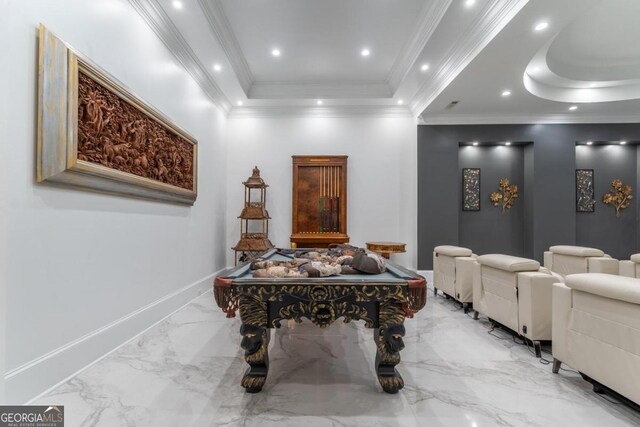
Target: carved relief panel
[{"x": 95, "y": 134}]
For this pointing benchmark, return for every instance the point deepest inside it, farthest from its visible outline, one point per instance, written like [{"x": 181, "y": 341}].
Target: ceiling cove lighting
[
  {"x": 506, "y": 92},
  {"x": 319, "y": 102},
  {"x": 217, "y": 67},
  {"x": 365, "y": 52},
  {"x": 541, "y": 26},
  {"x": 275, "y": 52},
  {"x": 424, "y": 67},
  {"x": 177, "y": 4},
  {"x": 475, "y": 144},
  {"x": 573, "y": 108},
  {"x": 623, "y": 142},
  {"x": 469, "y": 3},
  {"x": 589, "y": 142}
]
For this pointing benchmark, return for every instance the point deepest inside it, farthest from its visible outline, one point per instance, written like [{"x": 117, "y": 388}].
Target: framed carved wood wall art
[{"x": 95, "y": 134}]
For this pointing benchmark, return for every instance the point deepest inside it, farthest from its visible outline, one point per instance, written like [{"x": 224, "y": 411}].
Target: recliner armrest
[
  {"x": 606, "y": 265},
  {"x": 478, "y": 294},
  {"x": 464, "y": 278},
  {"x": 534, "y": 304},
  {"x": 548, "y": 260},
  {"x": 627, "y": 268},
  {"x": 561, "y": 311}
]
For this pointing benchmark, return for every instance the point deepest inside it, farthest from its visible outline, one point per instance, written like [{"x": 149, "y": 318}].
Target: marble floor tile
[{"x": 458, "y": 372}]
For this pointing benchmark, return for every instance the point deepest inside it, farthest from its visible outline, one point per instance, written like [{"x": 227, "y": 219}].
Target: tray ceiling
[
  {"x": 321, "y": 41},
  {"x": 422, "y": 55}
]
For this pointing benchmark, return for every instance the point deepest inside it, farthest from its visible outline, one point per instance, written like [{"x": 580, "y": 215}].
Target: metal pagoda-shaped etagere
[{"x": 254, "y": 220}]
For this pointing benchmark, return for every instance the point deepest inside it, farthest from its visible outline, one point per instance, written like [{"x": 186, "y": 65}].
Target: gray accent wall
[
  {"x": 549, "y": 216},
  {"x": 489, "y": 230},
  {"x": 617, "y": 236},
  {"x": 438, "y": 191},
  {"x": 528, "y": 201}
]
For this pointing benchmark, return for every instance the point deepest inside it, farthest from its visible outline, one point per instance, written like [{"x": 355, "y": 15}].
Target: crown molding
[
  {"x": 165, "y": 29},
  {"x": 430, "y": 17},
  {"x": 222, "y": 31},
  {"x": 501, "y": 119},
  {"x": 325, "y": 90},
  {"x": 344, "y": 111},
  {"x": 493, "y": 18}
]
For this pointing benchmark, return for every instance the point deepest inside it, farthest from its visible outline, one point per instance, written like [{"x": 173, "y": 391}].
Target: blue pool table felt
[{"x": 392, "y": 275}]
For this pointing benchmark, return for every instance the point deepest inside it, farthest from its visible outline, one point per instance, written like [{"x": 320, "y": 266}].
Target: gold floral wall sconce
[
  {"x": 619, "y": 196},
  {"x": 506, "y": 195}
]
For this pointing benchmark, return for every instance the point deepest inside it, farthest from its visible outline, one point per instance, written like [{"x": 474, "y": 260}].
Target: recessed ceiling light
[
  {"x": 240, "y": 103},
  {"x": 319, "y": 102},
  {"x": 475, "y": 144},
  {"x": 400, "y": 101},
  {"x": 573, "y": 108},
  {"x": 541, "y": 26},
  {"x": 365, "y": 52},
  {"x": 589, "y": 142},
  {"x": 506, "y": 92},
  {"x": 623, "y": 142},
  {"x": 177, "y": 4},
  {"x": 217, "y": 67},
  {"x": 507, "y": 143},
  {"x": 424, "y": 67},
  {"x": 275, "y": 52},
  {"x": 469, "y": 3}
]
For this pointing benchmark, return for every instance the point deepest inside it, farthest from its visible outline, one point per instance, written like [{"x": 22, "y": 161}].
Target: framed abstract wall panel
[
  {"x": 470, "y": 189},
  {"x": 95, "y": 134},
  {"x": 585, "y": 193}
]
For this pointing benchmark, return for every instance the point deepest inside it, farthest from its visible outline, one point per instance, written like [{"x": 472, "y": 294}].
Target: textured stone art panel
[
  {"x": 585, "y": 197},
  {"x": 470, "y": 189}
]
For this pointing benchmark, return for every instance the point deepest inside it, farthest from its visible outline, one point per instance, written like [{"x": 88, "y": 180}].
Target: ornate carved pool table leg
[
  {"x": 388, "y": 338},
  {"x": 255, "y": 343}
]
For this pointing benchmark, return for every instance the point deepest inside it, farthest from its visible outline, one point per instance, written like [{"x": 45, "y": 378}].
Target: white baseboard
[{"x": 33, "y": 379}]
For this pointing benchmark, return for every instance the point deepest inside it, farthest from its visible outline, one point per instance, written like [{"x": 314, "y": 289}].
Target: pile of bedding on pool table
[{"x": 341, "y": 259}]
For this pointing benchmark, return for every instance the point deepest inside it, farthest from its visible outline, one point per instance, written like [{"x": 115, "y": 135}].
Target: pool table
[{"x": 382, "y": 301}]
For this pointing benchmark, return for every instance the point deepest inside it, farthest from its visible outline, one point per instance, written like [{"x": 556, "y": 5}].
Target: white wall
[
  {"x": 86, "y": 271},
  {"x": 381, "y": 174},
  {"x": 4, "y": 63}
]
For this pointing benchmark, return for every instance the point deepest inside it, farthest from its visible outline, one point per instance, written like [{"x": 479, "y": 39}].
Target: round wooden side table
[{"x": 386, "y": 248}]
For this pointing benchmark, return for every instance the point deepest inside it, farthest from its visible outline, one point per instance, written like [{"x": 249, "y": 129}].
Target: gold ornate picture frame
[{"x": 97, "y": 135}]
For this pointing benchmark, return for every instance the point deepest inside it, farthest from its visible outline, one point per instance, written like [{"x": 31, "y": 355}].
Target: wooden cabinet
[{"x": 319, "y": 215}]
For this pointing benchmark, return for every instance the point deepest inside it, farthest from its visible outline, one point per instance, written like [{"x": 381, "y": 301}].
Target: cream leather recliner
[
  {"x": 453, "y": 273},
  {"x": 596, "y": 330},
  {"x": 516, "y": 293},
  {"x": 578, "y": 259},
  {"x": 631, "y": 268}
]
